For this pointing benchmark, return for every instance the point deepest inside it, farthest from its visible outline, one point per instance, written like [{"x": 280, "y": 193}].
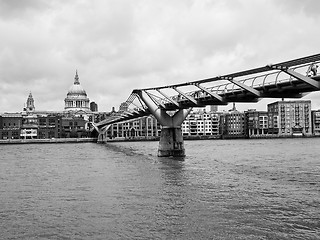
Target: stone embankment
[{"x": 51, "y": 140}]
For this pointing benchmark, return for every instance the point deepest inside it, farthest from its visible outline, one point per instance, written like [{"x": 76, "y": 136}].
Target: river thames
[{"x": 224, "y": 189}]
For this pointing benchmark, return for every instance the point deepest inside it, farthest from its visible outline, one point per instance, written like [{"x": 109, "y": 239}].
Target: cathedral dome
[
  {"x": 76, "y": 97},
  {"x": 76, "y": 90}
]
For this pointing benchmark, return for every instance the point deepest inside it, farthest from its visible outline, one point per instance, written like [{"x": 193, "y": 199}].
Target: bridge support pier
[
  {"x": 102, "y": 137},
  {"x": 171, "y": 142}
]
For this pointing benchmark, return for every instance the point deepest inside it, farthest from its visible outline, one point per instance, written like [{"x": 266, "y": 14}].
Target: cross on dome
[{"x": 76, "y": 78}]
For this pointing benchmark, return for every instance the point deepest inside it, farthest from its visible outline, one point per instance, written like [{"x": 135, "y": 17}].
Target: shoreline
[
  {"x": 54, "y": 140},
  {"x": 207, "y": 137},
  {"x": 136, "y": 139}
]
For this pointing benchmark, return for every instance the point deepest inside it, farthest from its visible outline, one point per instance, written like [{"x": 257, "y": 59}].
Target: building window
[
  {"x": 52, "y": 122},
  {"x": 5, "y": 135},
  {"x": 15, "y": 134}
]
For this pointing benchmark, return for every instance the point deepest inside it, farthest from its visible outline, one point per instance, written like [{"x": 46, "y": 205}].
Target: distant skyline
[{"x": 119, "y": 45}]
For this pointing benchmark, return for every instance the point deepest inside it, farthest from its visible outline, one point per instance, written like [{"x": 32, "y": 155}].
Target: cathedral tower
[{"x": 30, "y": 103}]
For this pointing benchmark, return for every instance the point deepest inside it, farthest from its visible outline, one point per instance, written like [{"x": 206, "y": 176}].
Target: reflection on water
[{"x": 224, "y": 189}]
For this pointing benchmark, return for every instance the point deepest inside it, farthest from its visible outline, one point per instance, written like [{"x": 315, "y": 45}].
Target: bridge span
[{"x": 171, "y": 104}]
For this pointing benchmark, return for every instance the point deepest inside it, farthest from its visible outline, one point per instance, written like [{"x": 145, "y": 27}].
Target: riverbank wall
[
  {"x": 135, "y": 139},
  {"x": 52, "y": 140},
  {"x": 140, "y": 139},
  {"x": 208, "y": 137}
]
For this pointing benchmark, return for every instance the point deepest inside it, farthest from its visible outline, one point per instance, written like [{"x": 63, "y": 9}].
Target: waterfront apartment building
[
  {"x": 315, "y": 116},
  {"x": 200, "y": 123},
  {"x": 147, "y": 127},
  {"x": 290, "y": 118},
  {"x": 233, "y": 124},
  {"x": 29, "y": 127},
  {"x": 10, "y": 125},
  {"x": 73, "y": 127},
  {"x": 49, "y": 126},
  {"x": 257, "y": 123}
]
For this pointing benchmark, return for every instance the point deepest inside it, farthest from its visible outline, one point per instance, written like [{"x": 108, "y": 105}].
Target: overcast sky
[{"x": 119, "y": 45}]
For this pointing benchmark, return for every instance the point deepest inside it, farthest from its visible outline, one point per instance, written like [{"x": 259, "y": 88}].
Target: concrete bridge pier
[
  {"x": 171, "y": 140},
  {"x": 102, "y": 137}
]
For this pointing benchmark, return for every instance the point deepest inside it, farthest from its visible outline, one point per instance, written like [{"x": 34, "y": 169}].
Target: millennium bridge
[{"x": 171, "y": 104}]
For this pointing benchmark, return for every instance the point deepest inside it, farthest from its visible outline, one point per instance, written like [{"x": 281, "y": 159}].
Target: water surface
[{"x": 224, "y": 189}]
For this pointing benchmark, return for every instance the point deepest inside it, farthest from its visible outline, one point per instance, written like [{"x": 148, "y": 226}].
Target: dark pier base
[{"x": 171, "y": 143}]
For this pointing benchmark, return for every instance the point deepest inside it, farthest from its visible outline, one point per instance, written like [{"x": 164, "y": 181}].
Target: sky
[{"x": 120, "y": 45}]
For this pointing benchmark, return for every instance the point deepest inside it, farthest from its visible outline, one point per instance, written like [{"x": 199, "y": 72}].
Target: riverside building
[
  {"x": 257, "y": 123},
  {"x": 233, "y": 124},
  {"x": 30, "y": 127},
  {"x": 10, "y": 125},
  {"x": 144, "y": 127},
  {"x": 315, "y": 115},
  {"x": 201, "y": 123},
  {"x": 290, "y": 118}
]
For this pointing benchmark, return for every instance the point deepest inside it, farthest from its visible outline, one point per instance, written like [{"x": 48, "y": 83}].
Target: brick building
[
  {"x": 257, "y": 123},
  {"x": 10, "y": 124}
]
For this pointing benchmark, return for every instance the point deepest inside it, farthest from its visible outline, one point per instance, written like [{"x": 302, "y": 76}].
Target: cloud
[
  {"x": 119, "y": 45},
  {"x": 15, "y": 9},
  {"x": 308, "y": 8}
]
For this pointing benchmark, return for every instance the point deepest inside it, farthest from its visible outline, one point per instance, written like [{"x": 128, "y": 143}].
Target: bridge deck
[{"x": 288, "y": 79}]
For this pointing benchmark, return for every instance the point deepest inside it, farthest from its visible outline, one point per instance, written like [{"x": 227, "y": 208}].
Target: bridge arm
[
  {"x": 297, "y": 75},
  {"x": 127, "y": 113},
  {"x": 168, "y": 98},
  {"x": 244, "y": 86},
  {"x": 216, "y": 96},
  {"x": 160, "y": 114},
  {"x": 303, "y": 78},
  {"x": 95, "y": 127},
  {"x": 180, "y": 116},
  {"x": 155, "y": 100},
  {"x": 102, "y": 137},
  {"x": 186, "y": 96}
]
